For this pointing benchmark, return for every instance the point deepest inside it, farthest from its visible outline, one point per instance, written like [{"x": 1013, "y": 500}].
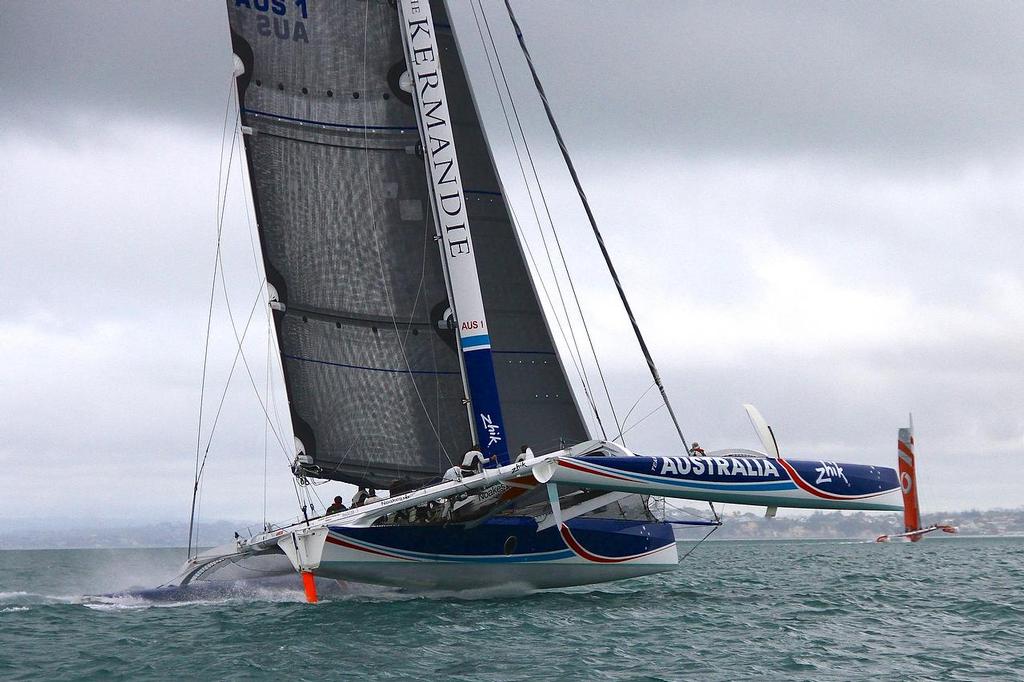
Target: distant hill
[
  {"x": 109, "y": 535},
  {"x": 25, "y": 534}
]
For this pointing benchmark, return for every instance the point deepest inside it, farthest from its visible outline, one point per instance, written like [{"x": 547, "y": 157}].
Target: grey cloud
[
  {"x": 898, "y": 83},
  {"x": 891, "y": 82},
  {"x": 88, "y": 63}
]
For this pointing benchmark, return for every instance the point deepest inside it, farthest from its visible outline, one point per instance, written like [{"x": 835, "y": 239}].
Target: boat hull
[{"x": 504, "y": 551}]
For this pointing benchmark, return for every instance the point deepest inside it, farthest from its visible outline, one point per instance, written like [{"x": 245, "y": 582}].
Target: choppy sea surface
[{"x": 939, "y": 609}]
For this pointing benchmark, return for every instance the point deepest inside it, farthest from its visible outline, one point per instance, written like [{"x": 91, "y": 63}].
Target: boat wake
[
  {"x": 221, "y": 592},
  {"x": 282, "y": 590}
]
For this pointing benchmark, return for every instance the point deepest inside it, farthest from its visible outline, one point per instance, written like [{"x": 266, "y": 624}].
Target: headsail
[{"x": 364, "y": 322}]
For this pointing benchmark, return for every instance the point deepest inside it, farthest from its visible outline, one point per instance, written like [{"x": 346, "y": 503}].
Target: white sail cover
[{"x": 345, "y": 226}]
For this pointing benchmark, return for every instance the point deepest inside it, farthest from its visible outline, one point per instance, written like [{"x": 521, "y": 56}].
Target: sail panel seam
[
  {"x": 361, "y": 320},
  {"x": 327, "y": 124},
  {"x": 332, "y": 144}
]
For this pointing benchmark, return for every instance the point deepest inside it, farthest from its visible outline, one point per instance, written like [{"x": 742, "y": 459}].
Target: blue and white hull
[
  {"x": 556, "y": 546},
  {"x": 501, "y": 551}
]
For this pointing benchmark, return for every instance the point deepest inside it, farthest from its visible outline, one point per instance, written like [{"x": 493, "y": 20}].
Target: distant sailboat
[
  {"x": 912, "y": 529},
  {"x": 416, "y": 355}
]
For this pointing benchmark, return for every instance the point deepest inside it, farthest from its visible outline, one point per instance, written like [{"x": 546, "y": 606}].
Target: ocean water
[{"x": 940, "y": 609}]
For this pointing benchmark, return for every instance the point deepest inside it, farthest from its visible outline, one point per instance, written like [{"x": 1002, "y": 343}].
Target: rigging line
[
  {"x": 376, "y": 241},
  {"x": 223, "y": 138},
  {"x": 278, "y": 365},
  {"x": 561, "y": 330},
  {"x": 234, "y": 328},
  {"x": 547, "y": 210},
  {"x": 241, "y": 353},
  {"x": 637, "y": 403},
  {"x": 580, "y": 365},
  {"x": 312, "y": 489},
  {"x": 683, "y": 510},
  {"x": 224, "y": 393},
  {"x": 427, "y": 239},
  {"x": 227, "y": 183},
  {"x": 249, "y": 201},
  {"x": 295, "y": 488},
  {"x": 593, "y": 224},
  {"x": 199, "y": 506},
  {"x": 698, "y": 543},
  {"x": 639, "y": 421},
  {"x": 273, "y": 389},
  {"x": 423, "y": 277},
  {"x": 246, "y": 201},
  {"x": 533, "y": 206},
  {"x": 209, "y": 317},
  {"x": 266, "y": 435},
  {"x": 202, "y": 400},
  {"x": 231, "y": 317}
]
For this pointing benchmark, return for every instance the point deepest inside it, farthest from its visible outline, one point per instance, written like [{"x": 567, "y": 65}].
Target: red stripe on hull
[
  {"x": 587, "y": 470},
  {"x": 582, "y": 552},
  {"x": 349, "y": 545},
  {"x": 804, "y": 485}
]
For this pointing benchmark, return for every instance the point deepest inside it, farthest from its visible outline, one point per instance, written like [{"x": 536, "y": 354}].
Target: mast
[{"x": 452, "y": 223}]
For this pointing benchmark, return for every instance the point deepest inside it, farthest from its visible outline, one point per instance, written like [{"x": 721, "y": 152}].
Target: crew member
[
  {"x": 453, "y": 474},
  {"x": 473, "y": 461},
  {"x": 696, "y": 450},
  {"x": 338, "y": 506}
]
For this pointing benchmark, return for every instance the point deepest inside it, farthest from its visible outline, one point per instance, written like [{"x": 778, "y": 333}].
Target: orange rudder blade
[{"x": 309, "y": 585}]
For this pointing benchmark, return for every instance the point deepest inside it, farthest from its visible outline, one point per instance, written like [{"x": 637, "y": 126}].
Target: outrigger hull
[{"x": 808, "y": 484}]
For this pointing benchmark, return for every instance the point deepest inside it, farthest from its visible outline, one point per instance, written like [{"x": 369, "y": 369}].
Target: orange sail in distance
[{"x": 912, "y": 529}]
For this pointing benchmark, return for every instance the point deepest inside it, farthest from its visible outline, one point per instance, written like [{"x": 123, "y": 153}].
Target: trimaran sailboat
[{"x": 364, "y": 150}]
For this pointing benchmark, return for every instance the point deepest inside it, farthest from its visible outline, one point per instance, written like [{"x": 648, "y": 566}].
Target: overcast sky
[{"x": 814, "y": 207}]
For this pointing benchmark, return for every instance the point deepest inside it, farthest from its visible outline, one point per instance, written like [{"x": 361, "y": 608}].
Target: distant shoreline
[
  {"x": 183, "y": 549},
  {"x": 20, "y": 534}
]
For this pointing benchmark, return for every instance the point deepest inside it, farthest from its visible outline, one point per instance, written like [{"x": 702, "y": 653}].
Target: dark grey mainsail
[{"x": 340, "y": 194}]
